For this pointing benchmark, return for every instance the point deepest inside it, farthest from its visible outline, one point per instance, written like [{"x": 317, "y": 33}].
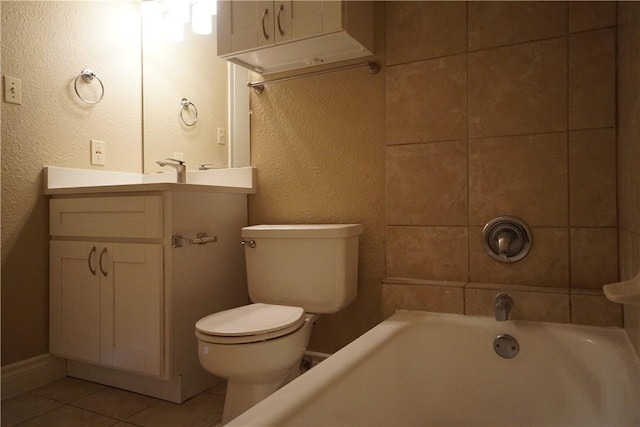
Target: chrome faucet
[
  {"x": 180, "y": 167},
  {"x": 502, "y": 304}
]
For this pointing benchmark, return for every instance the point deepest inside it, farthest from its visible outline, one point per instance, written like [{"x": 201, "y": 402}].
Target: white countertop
[{"x": 68, "y": 181}]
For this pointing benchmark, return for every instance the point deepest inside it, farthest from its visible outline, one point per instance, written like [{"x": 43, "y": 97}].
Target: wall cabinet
[
  {"x": 124, "y": 300},
  {"x": 274, "y": 36}
]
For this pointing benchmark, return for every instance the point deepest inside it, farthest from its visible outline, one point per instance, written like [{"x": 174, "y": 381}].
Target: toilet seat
[{"x": 250, "y": 323}]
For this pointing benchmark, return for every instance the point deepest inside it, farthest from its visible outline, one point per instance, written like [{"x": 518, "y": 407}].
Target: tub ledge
[{"x": 627, "y": 292}]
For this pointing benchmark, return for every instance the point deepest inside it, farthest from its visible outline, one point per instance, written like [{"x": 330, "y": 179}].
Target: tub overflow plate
[{"x": 506, "y": 346}]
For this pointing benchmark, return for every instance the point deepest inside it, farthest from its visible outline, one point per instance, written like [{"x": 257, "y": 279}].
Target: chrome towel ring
[
  {"x": 184, "y": 105},
  {"x": 87, "y": 75}
]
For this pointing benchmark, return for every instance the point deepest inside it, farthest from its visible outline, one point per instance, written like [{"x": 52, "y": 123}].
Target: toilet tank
[{"x": 312, "y": 266}]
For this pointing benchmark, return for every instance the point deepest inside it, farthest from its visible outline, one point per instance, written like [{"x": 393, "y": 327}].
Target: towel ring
[
  {"x": 87, "y": 75},
  {"x": 184, "y": 105}
]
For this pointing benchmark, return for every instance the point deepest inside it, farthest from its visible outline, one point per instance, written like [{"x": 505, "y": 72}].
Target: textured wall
[
  {"x": 629, "y": 154},
  {"x": 46, "y": 44},
  {"x": 501, "y": 108},
  {"x": 318, "y": 144}
]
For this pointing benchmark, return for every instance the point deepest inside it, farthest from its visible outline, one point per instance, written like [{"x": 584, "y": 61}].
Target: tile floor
[{"x": 71, "y": 402}]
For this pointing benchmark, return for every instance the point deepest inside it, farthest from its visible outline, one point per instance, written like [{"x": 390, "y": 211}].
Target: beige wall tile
[
  {"x": 547, "y": 265},
  {"x": 628, "y": 159},
  {"x": 441, "y": 299},
  {"x": 523, "y": 176},
  {"x": 427, "y": 184},
  {"x": 427, "y": 101},
  {"x": 629, "y": 258},
  {"x": 537, "y": 306},
  {"x": 499, "y": 23},
  {"x": 518, "y": 89},
  {"x": 594, "y": 257},
  {"x": 431, "y": 253},
  {"x": 595, "y": 310},
  {"x": 592, "y": 79},
  {"x": 628, "y": 106},
  {"x": 592, "y": 180},
  {"x": 590, "y": 15},
  {"x": 422, "y": 30}
]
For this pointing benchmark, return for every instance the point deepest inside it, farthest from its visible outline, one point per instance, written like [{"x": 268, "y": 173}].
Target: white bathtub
[{"x": 426, "y": 369}]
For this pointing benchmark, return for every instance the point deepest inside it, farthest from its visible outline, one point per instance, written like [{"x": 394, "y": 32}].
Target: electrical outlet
[
  {"x": 222, "y": 136},
  {"x": 12, "y": 90},
  {"x": 98, "y": 152}
]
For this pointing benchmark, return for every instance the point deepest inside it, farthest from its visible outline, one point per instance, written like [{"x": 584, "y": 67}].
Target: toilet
[{"x": 294, "y": 273}]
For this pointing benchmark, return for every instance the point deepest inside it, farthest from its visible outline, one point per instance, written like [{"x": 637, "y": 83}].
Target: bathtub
[{"x": 427, "y": 369}]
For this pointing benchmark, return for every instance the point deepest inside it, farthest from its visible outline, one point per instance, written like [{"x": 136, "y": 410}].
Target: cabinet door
[
  {"x": 296, "y": 20},
  {"x": 244, "y": 25},
  {"x": 74, "y": 300},
  {"x": 132, "y": 307}
]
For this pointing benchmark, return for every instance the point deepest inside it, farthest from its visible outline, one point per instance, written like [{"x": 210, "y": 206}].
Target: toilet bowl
[
  {"x": 256, "y": 360},
  {"x": 294, "y": 273}
]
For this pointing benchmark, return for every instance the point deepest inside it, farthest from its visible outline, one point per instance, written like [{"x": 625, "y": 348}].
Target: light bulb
[
  {"x": 179, "y": 9},
  {"x": 173, "y": 27},
  {"x": 151, "y": 17},
  {"x": 201, "y": 18}
]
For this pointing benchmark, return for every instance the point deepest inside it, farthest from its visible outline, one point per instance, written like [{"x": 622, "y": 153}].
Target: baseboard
[{"x": 31, "y": 373}]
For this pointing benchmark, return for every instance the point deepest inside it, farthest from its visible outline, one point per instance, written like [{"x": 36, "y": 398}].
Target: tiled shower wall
[
  {"x": 501, "y": 108},
  {"x": 629, "y": 154}
]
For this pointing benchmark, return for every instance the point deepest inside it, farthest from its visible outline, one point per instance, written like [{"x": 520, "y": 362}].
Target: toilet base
[{"x": 241, "y": 396}]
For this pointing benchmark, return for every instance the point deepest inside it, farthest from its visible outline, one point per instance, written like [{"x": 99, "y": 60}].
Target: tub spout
[{"x": 502, "y": 304}]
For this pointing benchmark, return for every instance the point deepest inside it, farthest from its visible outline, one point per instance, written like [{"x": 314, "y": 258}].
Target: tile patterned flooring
[{"x": 71, "y": 402}]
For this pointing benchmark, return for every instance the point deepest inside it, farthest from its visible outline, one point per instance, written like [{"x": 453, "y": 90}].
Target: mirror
[{"x": 190, "y": 69}]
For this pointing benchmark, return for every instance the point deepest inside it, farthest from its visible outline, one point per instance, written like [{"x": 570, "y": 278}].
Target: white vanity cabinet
[
  {"x": 106, "y": 303},
  {"x": 127, "y": 285},
  {"x": 106, "y": 297},
  {"x": 274, "y": 36}
]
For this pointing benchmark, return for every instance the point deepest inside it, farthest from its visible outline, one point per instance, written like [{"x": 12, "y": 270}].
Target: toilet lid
[{"x": 252, "y": 319}]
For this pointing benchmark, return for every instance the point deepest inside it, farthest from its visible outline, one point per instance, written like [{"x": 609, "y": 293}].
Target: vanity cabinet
[
  {"x": 274, "y": 36},
  {"x": 106, "y": 303},
  {"x": 106, "y": 297},
  {"x": 127, "y": 286}
]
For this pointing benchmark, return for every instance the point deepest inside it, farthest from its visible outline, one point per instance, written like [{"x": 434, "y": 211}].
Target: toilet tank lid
[{"x": 303, "y": 230}]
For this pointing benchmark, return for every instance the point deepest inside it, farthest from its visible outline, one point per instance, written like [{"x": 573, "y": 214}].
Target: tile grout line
[{"x": 468, "y": 276}]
